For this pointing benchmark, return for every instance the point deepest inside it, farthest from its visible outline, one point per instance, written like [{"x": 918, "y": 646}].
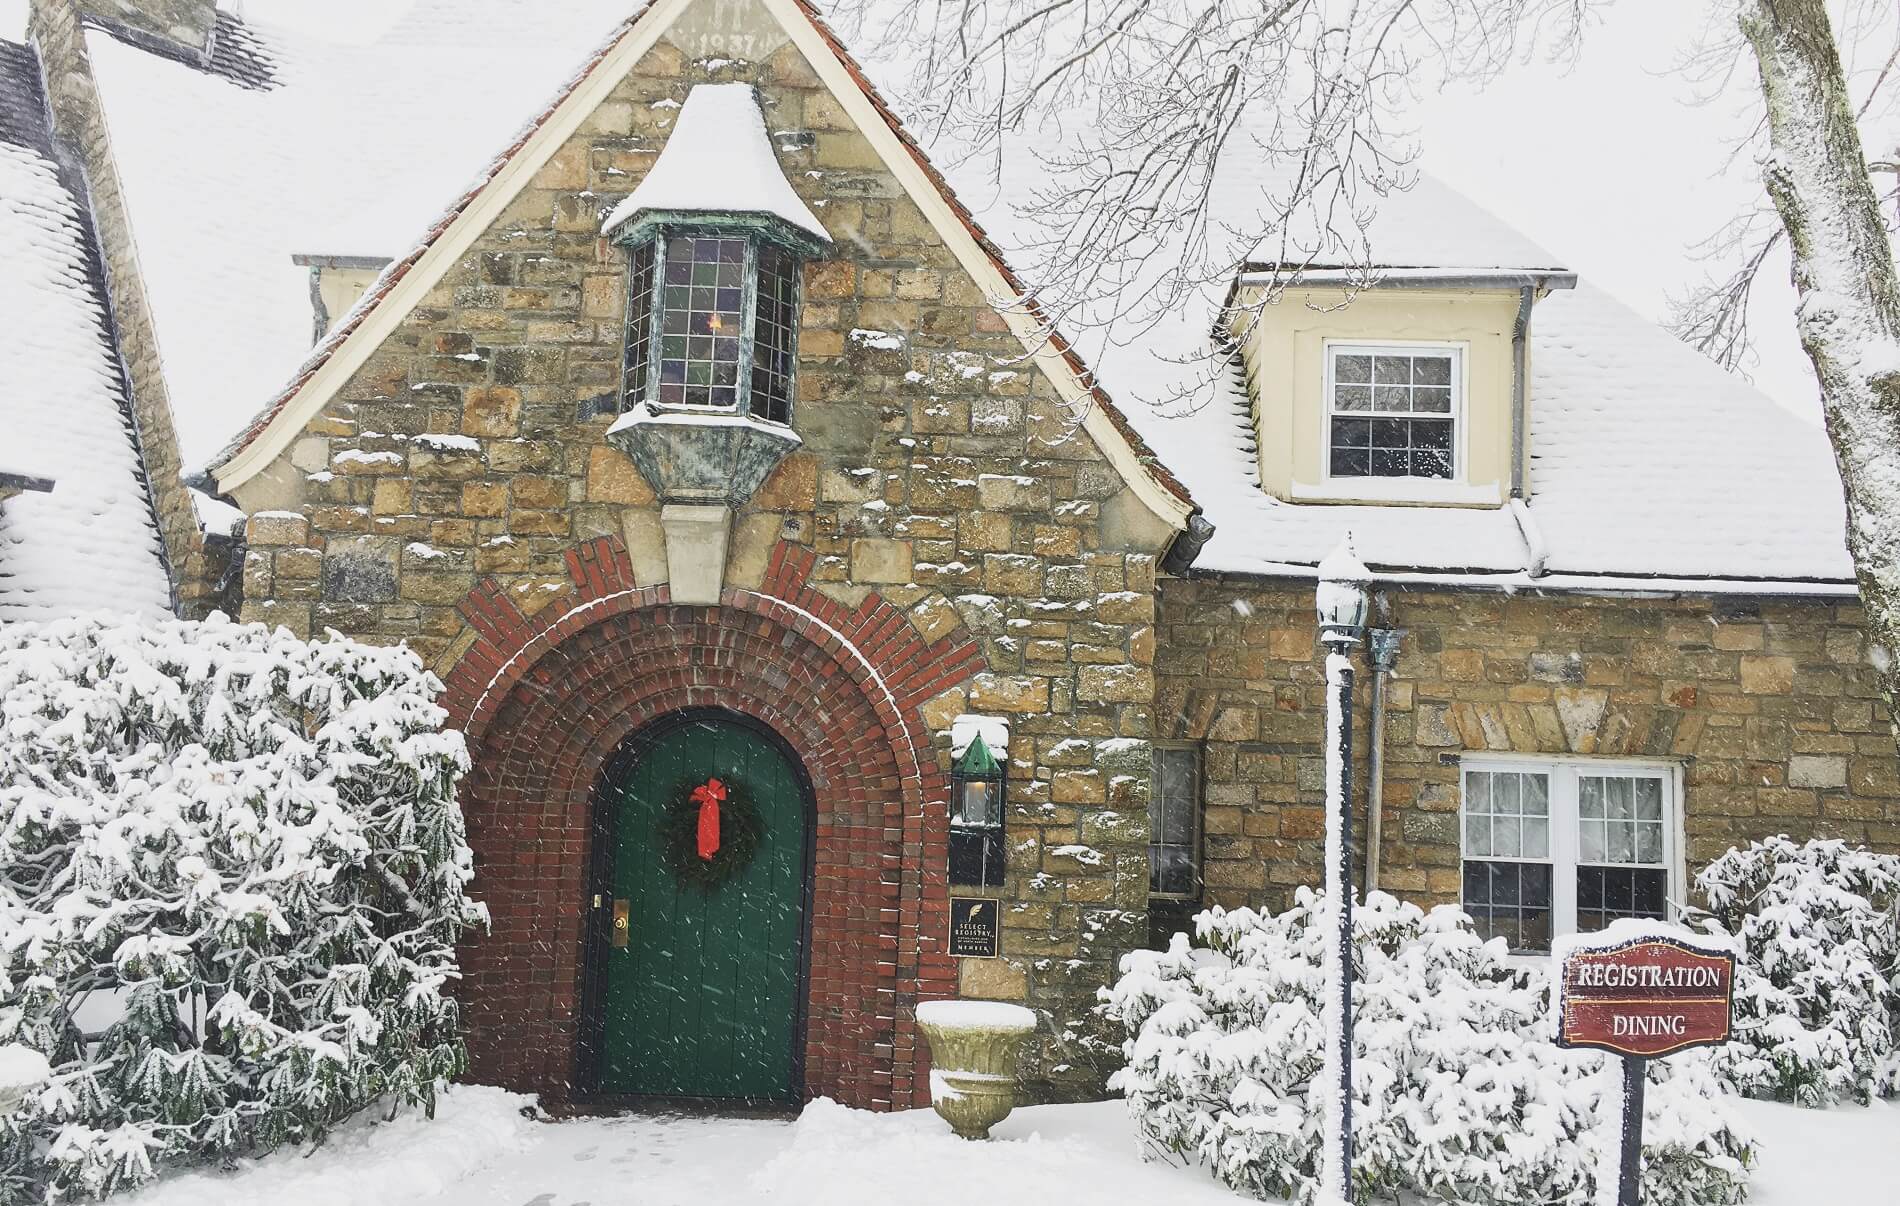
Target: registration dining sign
[{"x": 1643, "y": 991}]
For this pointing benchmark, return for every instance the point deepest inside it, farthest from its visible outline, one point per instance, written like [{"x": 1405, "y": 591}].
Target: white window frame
[
  {"x": 1564, "y": 772},
  {"x": 1330, "y": 351}
]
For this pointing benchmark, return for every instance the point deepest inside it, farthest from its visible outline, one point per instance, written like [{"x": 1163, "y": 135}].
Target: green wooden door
[{"x": 702, "y": 1001}]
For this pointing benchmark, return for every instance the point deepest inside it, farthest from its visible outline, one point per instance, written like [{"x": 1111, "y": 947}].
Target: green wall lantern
[{"x": 977, "y": 786}]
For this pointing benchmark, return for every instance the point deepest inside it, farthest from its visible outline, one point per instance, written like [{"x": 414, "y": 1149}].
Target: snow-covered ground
[{"x": 481, "y": 1151}]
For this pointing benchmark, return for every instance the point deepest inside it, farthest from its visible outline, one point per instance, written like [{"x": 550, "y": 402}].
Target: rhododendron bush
[
  {"x": 232, "y": 876},
  {"x": 1817, "y": 977},
  {"x": 1460, "y": 1092}
]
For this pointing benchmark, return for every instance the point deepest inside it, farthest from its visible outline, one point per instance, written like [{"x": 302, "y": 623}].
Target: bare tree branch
[{"x": 1131, "y": 114}]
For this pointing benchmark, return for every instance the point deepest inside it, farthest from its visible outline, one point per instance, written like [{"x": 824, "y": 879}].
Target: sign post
[{"x": 1642, "y": 991}]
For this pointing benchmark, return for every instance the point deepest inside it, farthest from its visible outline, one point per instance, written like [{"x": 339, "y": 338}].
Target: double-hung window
[
  {"x": 1566, "y": 845},
  {"x": 1392, "y": 410}
]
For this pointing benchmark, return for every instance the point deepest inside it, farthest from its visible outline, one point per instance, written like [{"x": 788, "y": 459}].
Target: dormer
[{"x": 1405, "y": 386}]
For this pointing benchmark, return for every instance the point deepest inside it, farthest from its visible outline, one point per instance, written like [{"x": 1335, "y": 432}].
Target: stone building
[{"x": 705, "y": 447}]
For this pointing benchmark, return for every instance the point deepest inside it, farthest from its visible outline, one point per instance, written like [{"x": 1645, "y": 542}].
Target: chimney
[{"x": 160, "y": 25}]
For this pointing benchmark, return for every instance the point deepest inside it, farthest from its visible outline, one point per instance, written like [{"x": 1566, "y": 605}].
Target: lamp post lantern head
[{"x": 1342, "y": 598}]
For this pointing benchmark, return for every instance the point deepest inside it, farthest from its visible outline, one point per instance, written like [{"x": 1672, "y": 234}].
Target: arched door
[{"x": 702, "y": 982}]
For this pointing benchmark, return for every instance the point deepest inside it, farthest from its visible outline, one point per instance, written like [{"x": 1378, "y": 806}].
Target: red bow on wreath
[{"x": 708, "y": 795}]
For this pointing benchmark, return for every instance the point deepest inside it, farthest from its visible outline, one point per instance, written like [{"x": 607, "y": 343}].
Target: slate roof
[{"x": 91, "y": 543}]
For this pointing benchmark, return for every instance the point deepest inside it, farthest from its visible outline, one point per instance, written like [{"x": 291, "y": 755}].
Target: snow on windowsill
[
  {"x": 1398, "y": 490},
  {"x": 642, "y": 415}
]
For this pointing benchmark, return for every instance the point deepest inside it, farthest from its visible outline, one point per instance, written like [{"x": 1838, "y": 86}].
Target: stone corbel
[{"x": 704, "y": 467}]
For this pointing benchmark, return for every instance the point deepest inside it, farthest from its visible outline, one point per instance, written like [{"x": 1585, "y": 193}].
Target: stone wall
[
  {"x": 1770, "y": 706},
  {"x": 79, "y": 121},
  {"x": 467, "y": 458}
]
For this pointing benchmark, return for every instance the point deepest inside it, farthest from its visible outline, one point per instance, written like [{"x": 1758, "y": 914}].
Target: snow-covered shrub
[
  {"x": 1460, "y": 1094},
  {"x": 1817, "y": 985},
  {"x": 232, "y": 876}
]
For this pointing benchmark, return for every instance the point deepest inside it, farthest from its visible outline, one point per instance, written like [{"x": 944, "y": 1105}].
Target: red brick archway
[{"x": 546, "y": 700}]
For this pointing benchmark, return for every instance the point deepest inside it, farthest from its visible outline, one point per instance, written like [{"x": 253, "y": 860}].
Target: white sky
[{"x": 1609, "y": 165}]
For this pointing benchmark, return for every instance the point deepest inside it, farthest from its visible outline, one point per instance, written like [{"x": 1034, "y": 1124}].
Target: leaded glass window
[
  {"x": 1392, "y": 411},
  {"x": 702, "y": 306},
  {"x": 712, "y": 319},
  {"x": 775, "y": 334},
  {"x": 1174, "y": 823},
  {"x": 640, "y": 311}
]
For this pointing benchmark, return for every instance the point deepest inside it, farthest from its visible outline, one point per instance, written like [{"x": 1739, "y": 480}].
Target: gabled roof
[
  {"x": 90, "y": 542},
  {"x": 425, "y": 260}
]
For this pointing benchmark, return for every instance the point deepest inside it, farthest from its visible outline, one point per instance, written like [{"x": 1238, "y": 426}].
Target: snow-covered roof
[
  {"x": 90, "y": 543},
  {"x": 718, "y": 159},
  {"x": 349, "y": 134},
  {"x": 1648, "y": 462},
  {"x": 360, "y": 124},
  {"x": 1651, "y": 467}
]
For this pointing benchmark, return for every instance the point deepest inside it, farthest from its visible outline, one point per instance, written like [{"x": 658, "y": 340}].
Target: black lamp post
[
  {"x": 976, "y": 817},
  {"x": 1342, "y": 603}
]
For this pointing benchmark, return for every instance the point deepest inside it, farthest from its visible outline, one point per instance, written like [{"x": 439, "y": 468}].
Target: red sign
[{"x": 1646, "y": 997}]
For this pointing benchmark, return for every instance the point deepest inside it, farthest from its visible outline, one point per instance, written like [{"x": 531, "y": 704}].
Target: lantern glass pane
[{"x": 979, "y": 804}]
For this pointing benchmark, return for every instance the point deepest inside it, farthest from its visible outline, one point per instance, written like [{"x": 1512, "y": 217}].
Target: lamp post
[{"x": 1342, "y": 603}]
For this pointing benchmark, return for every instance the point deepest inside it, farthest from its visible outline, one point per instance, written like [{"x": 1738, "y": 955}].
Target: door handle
[{"x": 623, "y": 922}]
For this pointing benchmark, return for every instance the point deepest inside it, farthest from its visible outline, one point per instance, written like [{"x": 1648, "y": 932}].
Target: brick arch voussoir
[
  {"x": 546, "y": 699},
  {"x": 873, "y": 644}
]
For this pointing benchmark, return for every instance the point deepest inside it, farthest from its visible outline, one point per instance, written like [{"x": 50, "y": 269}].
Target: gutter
[
  {"x": 1187, "y": 545},
  {"x": 1408, "y": 278},
  {"x": 1602, "y": 585}
]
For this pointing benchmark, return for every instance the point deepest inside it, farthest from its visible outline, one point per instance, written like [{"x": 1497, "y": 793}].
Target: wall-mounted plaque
[{"x": 975, "y": 926}]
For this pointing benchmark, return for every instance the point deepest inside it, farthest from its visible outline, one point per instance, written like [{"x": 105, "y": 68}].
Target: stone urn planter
[{"x": 974, "y": 1048}]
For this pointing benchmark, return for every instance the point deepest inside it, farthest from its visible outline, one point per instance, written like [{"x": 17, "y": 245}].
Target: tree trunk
[{"x": 1849, "y": 312}]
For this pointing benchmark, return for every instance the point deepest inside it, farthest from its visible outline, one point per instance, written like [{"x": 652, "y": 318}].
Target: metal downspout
[
  {"x": 1520, "y": 385},
  {"x": 1384, "y": 648}
]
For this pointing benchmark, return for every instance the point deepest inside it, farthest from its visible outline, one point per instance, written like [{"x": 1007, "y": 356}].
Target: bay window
[{"x": 712, "y": 316}]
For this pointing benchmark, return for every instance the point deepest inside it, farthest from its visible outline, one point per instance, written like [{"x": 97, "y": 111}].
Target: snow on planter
[
  {"x": 976, "y": 1015},
  {"x": 974, "y": 1048}
]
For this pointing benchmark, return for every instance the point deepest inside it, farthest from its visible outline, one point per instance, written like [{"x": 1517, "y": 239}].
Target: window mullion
[
  {"x": 656, "y": 315},
  {"x": 1563, "y": 849},
  {"x": 748, "y": 324}
]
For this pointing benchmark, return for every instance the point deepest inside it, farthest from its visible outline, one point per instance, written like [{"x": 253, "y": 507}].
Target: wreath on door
[{"x": 710, "y": 831}]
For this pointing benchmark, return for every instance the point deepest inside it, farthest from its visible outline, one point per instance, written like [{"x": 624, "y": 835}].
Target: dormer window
[{"x": 1393, "y": 410}]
